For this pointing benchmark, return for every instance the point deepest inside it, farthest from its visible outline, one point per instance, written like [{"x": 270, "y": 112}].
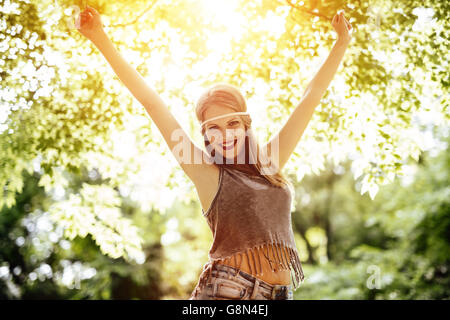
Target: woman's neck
[{"x": 245, "y": 167}]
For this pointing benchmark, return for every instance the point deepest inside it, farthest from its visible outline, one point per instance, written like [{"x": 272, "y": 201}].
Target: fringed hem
[{"x": 286, "y": 258}]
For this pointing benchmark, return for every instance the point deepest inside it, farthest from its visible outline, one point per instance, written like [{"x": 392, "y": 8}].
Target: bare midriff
[{"x": 280, "y": 277}]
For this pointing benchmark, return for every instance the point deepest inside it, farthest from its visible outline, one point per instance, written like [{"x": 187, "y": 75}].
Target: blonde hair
[{"x": 230, "y": 96}]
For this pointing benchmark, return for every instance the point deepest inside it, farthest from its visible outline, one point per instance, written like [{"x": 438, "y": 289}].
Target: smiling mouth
[{"x": 229, "y": 146}]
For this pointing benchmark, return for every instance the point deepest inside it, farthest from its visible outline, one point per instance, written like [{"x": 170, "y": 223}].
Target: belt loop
[
  {"x": 255, "y": 289},
  {"x": 236, "y": 274},
  {"x": 215, "y": 285},
  {"x": 274, "y": 291}
]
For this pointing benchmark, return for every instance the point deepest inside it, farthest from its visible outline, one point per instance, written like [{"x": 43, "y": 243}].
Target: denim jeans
[{"x": 228, "y": 283}]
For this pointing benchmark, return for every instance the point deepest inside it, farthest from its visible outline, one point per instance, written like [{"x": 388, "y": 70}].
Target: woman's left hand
[{"x": 342, "y": 27}]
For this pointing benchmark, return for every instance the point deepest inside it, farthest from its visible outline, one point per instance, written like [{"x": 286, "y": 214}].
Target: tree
[{"x": 64, "y": 112}]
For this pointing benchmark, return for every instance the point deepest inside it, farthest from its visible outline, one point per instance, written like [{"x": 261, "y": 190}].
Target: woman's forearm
[
  {"x": 323, "y": 77},
  {"x": 126, "y": 73}
]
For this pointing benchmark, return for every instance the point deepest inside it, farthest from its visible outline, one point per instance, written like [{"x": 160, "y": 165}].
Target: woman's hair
[{"x": 229, "y": 96}]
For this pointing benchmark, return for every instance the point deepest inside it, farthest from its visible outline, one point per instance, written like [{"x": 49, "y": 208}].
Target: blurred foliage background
[{"x": 94, "y": 205}]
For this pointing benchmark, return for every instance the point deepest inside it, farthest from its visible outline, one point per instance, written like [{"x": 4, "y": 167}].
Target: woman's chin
[
  {"x": 227, "y": 156},
  {"x": 230, "y": 155}
]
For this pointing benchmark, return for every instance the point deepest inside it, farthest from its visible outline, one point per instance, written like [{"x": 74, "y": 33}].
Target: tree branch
[
  {"x": 306, "y": 10},
  {"x": 135, "y": 20}
]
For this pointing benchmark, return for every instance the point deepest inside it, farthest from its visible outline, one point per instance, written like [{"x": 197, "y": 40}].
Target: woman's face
[{"x": 226, "y": 135}]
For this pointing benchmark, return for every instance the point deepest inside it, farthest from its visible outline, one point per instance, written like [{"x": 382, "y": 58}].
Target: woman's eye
[{"x": 234, "y": 122}]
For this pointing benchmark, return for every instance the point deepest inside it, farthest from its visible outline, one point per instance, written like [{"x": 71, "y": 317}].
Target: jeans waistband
[{"x": 272, "y": 290}]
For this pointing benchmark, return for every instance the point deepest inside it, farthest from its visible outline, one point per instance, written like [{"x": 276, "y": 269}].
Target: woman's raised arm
[
  {"x": 180, "y": 144},
  {"x": 289, "y": 135}
]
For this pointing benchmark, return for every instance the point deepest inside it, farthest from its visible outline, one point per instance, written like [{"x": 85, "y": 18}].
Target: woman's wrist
[
  {"x": 102, "y": 41},
  {"x": 344, "y": 41},
  {"x": 99, "y": 38}
]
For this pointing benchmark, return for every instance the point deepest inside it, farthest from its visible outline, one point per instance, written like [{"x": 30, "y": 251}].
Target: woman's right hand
[{"x": 90, "y": 24}]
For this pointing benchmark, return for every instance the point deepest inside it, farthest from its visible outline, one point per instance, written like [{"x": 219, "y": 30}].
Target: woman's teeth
[{"x": 229, "y": 145}]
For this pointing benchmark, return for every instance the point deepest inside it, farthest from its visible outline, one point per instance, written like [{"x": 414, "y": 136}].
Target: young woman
[{"x": 244, "y": 197}]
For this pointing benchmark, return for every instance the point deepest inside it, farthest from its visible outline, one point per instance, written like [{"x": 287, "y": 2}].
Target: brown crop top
[{"x": 249, "y": 213}]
